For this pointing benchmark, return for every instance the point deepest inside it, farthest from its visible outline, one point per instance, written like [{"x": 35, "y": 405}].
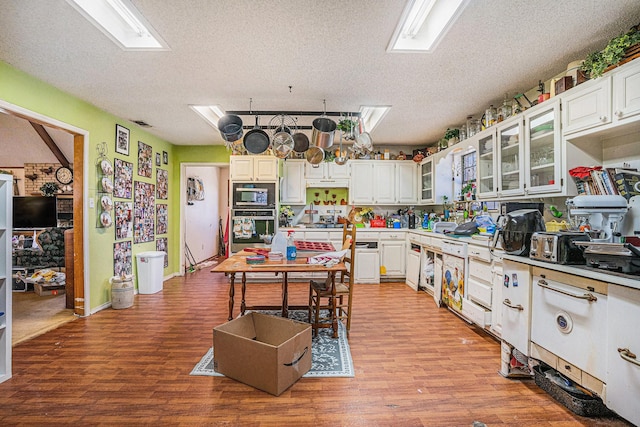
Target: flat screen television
[{"x": 34, "y": 212}]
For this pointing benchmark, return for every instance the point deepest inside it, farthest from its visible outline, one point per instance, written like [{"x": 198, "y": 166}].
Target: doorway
[
  {"x": 80, "y": 156},
  {"x": 204, "y": 211}
]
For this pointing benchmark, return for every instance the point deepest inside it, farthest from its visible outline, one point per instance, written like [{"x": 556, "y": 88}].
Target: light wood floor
[
  {"x": 415, "y": 365},
  {"x": 34, "y": 314}
]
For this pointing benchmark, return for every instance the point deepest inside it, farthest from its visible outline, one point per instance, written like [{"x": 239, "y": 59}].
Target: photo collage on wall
[
  {"x": 138, "y": 220},
  {"x": 144, "y": 212},
  {"x": 145, "y": 159},
  {"x": 122, "y": 265},
  {"x": 161, "y": 245},
  {"x": 162, "y": 219}
]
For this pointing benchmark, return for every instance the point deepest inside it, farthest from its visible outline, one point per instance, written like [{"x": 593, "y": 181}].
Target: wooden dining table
[{"x": 237, "y": 263}]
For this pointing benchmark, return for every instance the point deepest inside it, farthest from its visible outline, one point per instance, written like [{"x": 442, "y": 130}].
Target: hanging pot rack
[{"x": 293, "y": 114}]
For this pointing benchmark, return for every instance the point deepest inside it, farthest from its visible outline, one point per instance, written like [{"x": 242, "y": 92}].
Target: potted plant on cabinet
[
  {"x": 468, "y": 191},
  {"x": 618, "y": 51}
]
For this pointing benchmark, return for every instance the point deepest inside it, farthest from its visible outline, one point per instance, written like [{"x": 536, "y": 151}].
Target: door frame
[
  {"x": 183, "y": 202},
  {"x": 80, "y": 198}
]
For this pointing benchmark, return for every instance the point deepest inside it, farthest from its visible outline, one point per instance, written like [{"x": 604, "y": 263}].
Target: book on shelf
[{"x": 626, "y": 181}]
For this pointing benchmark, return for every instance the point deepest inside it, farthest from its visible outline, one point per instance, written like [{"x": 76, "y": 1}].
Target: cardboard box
[
  {"x": 45, "y": 289},
  {"x": 267, "y": 352}
]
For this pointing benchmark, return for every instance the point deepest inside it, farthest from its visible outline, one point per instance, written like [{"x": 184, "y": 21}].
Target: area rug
[{"x": 330, "y": 357}]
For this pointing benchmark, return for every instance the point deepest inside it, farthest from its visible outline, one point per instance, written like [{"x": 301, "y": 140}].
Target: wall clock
[{"x": 64, "y": 175}]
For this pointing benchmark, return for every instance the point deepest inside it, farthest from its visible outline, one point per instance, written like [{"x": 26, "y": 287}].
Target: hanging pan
[
  {"x": 300, "y": 142},
  {"x": 314, "y": 155},
  {"x": 283, "y": 141},
  {"x": 230, "y": 127},
  {"x": 256, "y": 141}
]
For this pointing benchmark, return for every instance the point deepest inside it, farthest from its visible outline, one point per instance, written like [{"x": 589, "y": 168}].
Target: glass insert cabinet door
[
  {"x": 510, "y": 143},
  {"x": 487, "y": 185},
  {"x": 426, "y": 180},
  {"x": 543, "y": 138}
]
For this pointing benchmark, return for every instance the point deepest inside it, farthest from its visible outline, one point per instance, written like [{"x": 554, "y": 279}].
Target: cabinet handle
[
  {"x": 618, "y": 114},
  {"x": 507, "y": 302},
  {"x": 603, "y": 118},
  {"x": 626, "y": 354},
  {"x": 588, "y": 296}
]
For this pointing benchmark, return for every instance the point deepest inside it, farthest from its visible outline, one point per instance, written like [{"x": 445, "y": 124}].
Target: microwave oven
[{"x": 254, "y": 195}]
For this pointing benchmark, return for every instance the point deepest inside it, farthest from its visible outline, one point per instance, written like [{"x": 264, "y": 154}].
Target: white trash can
[{"x": 150, "y": 271}]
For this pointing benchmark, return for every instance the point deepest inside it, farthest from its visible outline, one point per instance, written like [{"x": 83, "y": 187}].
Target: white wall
[{"x": 201, "y": 218}]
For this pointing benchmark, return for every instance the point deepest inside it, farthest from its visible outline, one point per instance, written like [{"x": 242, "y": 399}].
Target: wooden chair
[{"x": 322, "y": 310}]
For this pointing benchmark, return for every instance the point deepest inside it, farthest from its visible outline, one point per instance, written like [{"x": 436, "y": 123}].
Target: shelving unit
[{"x": 6, "y": 204}]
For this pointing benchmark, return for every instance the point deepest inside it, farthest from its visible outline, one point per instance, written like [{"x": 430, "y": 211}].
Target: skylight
[
  {"x": 371, "y": 115},
  {"x": 423, "y": 24},
  {"x": 210, "y": 113},
  {"x": 121, "y": 22}
]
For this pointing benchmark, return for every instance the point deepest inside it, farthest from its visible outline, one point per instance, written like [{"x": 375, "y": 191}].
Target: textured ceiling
[{"x": 227, "y": 51}]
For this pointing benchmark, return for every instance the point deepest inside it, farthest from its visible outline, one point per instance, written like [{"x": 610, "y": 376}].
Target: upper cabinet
[
  {"x": 487, "y": 166},
  {"x": 435, "y": 178},
  {"x": 253, "y": 168},
  {"x": 385, "y": 182},
  {"x": 327, "y": 171},
  {"x": 542, "y": 147},
  {"x": 292, "y": 183},
  {"x": 509, "y": 136},
  {"x": 588, "y": 107},
  {"x": 626, "y": 93}
]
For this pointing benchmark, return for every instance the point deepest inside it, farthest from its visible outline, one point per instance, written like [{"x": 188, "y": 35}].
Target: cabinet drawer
[
  {"x": 366, "y": 236},
  {"x": 477, "y": 314},
  {"x": 480, "y": 292},
  {"x": 393, "y": 236},
  {"x": 480, "y": 269},
  {"x": 569, "y": 370},
  {"x": 425, "y": 240},
  {"x": 544, "y": 355},
  {"x": 479, "y": 252}
]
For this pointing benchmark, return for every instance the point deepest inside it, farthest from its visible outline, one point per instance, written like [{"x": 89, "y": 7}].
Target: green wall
[{"x": 21, "y": 89}]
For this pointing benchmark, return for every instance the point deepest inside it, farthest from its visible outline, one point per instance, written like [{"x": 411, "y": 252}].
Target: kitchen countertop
[{"x": 582, "y": 271}]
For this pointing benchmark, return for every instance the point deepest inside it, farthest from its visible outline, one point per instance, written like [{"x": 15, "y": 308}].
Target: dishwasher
[{"x": 454, "y": 273}]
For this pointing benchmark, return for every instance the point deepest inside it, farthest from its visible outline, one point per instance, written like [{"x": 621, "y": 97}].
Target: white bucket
[{"x": 121, "y": 292}]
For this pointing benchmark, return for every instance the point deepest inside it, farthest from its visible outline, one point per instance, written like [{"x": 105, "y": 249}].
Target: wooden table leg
[
  {"x": 231, "y": 294},
  {"x": 243, "y": 306},
  {"x": 285, "y": 294},
  {"x": 334, "y": 317}
]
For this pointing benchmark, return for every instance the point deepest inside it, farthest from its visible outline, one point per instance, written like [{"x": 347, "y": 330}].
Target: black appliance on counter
[
  {"x": 412, "y": 220},
  {"x": 506, "y": 207},
  {"x": 518, "y": 229},
  {"x": 558, "y": 247}
]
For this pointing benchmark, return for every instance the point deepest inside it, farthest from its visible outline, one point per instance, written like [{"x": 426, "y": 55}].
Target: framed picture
[
  {"x": 158, "y": 159},
  {"x": 122, "y": 140},
  {"x": 165, "y": 157}
]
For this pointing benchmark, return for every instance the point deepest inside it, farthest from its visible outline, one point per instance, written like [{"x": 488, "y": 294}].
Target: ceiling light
[
  {"x": 371, "y": 115},
  {"x": 121, "y": 22},
  {"x": 211, "y": 113},
  {"x": 423, "y": 24}
]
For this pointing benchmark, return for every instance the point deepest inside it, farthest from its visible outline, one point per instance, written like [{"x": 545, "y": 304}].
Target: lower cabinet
[
  {"x": 367, "y": 266},
  {"x": 392, "y": 256},
  {"x": 623, "y": 352},
  {"x": 413, "y": 268}
]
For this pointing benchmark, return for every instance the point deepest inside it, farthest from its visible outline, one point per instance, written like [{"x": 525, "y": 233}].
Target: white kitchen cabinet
[
  {"x": 6, "y": 286},
  {"x": 327, "y": 171},
  {"x": 588, "y": 107},
  {"x": 393, "y": 254},
  {"x": 384, "y": 183},
  {"x": 623, "y": 352},
  {"x": 293, "y": 190},
  {"x": 626, "y": 93},
  {"x": 367, "y": 267},
  {"x": 496, "y": 301},
  {"x": 511, "y": 154},
  {"x": 253, "y": 168},
  {"x": 406, "y": 182},
  {"x": 487, "y": 165},
  {"x": 427, "y": 178},
  {"x": 361, "y": 190},
  {"x": 412, "y": 278},
  {"x": 542, "y": 161},
  {"x": 516, "y": 305}
]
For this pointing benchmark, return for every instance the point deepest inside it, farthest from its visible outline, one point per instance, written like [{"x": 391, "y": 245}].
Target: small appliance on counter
[
  {"x": 601, "y": 215},
  {"x": 518, "y": 229},
  {"x": 558, "y": 247},
  {"x": 622, "y": 257}
]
